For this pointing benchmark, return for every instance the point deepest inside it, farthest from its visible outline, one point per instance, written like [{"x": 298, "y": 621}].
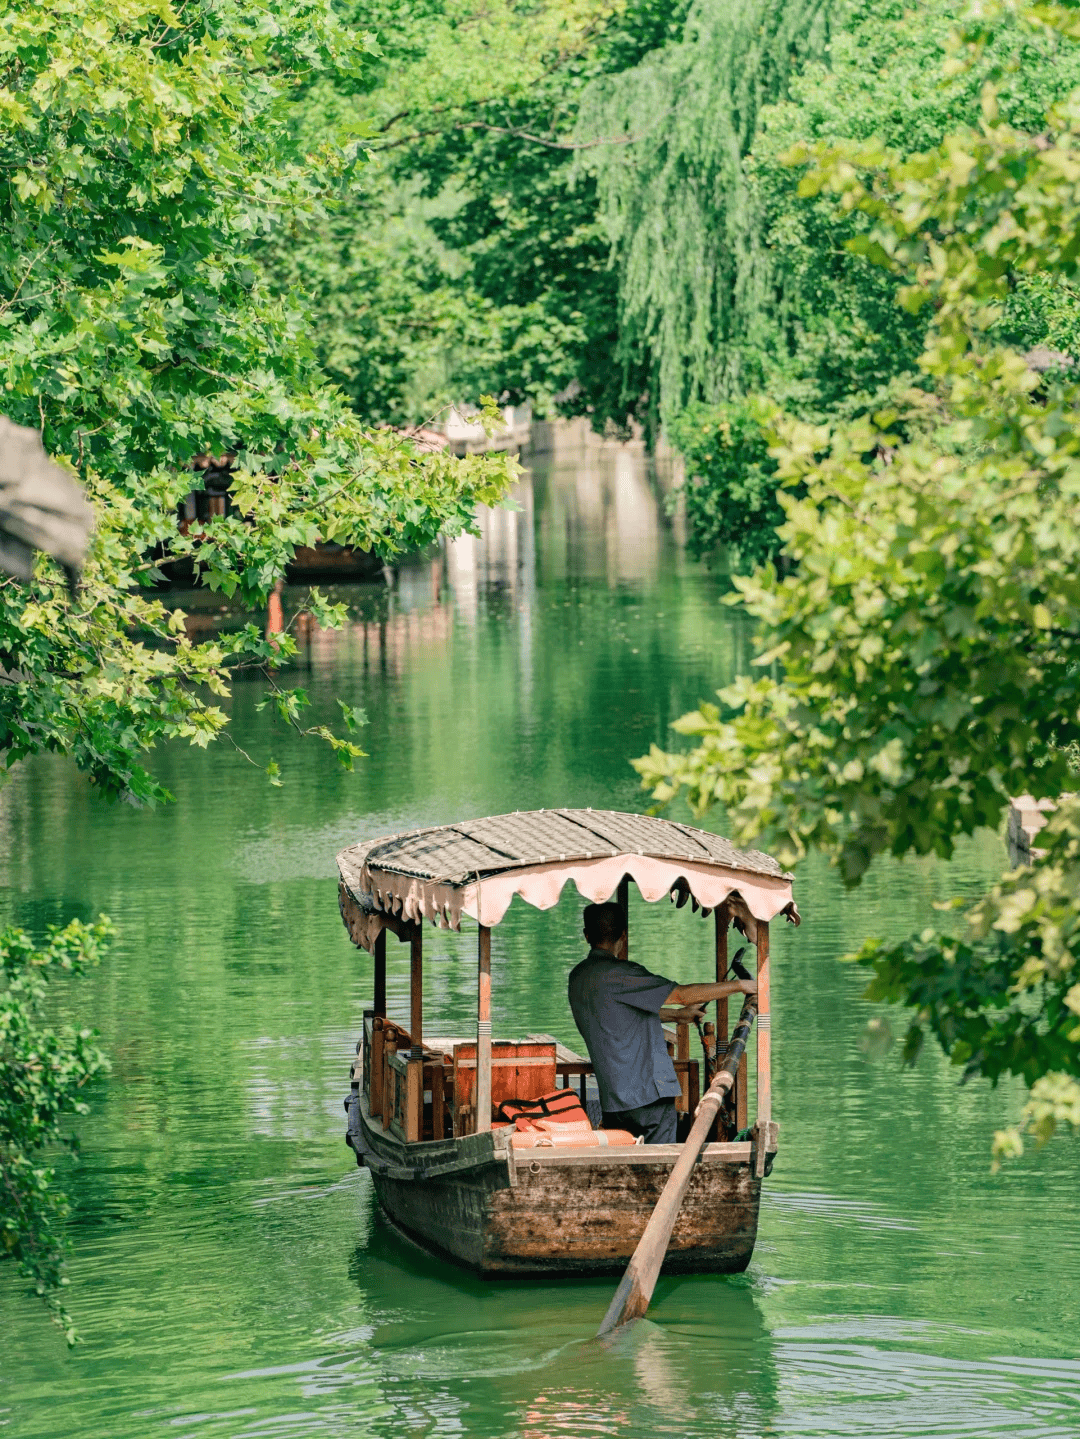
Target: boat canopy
[{"x": 475, "y": 868}]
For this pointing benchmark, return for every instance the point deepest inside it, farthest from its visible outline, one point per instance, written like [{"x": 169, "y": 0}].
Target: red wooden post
[
  {"x": 275, "y": 618},
  {"x": 377, "y": 1076},
  {"x": 414, "y": 1096},
  {"x": 389, "y": 1090},
  {"x": 682, "y": 1052}
]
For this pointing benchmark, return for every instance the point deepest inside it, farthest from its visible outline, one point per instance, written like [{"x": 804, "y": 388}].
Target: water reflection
[
  {"x": 542, "y": 1372},
  {"x": 600, "y": 520}
]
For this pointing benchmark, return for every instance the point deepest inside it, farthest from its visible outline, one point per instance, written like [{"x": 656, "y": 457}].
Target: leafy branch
[{"x": 43, "y": 1072}]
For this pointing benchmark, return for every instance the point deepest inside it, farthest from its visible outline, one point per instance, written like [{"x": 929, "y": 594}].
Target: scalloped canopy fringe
[{"x": 425, "y": 874}]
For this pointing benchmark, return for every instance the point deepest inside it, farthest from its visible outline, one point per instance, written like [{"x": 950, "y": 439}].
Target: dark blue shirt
[{"x": 616, "y": 1005}]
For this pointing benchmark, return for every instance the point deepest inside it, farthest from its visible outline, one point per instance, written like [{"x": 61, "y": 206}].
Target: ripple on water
[{"x": 839, "y": 1389}]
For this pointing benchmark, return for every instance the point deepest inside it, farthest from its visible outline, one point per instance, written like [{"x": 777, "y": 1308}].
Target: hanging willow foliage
[{"x": 667, "y": 141}]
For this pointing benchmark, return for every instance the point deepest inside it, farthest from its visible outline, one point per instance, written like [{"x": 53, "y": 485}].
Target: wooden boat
[{"x": 422, "y": 1109}]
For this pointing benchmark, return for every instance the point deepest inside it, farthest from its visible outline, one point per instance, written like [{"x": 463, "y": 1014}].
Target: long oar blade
[{"x": 636, "y": 1287}]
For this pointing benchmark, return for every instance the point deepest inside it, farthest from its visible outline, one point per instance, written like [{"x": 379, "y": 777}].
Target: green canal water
[{"x": 231, "y": 1275}]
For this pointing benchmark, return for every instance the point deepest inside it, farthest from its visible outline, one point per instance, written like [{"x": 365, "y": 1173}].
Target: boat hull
[{"x": 565, "y": 1212}]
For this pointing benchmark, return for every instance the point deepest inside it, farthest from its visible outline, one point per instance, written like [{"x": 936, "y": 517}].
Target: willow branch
[
  {"x": 557, "y": 144},
  {"x": 519, "y": 135}
]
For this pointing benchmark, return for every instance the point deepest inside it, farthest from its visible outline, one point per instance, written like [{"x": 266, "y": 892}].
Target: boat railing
[{"x": 429, "y": 1093}]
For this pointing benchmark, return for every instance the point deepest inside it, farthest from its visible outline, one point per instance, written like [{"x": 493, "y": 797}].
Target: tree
[
  {"x": 146, "y": 153},
  {"x": 44, "y": 1070},
  {"x": 592, "y": 213},
  {"x": 684, "y": 223},
  {"x": 920, "y": 665},
  {"x": 530, "y": 227},
  {"x": 731, "y": 498},
  {"x": 478, "y": 260},
  {"x": 807, "y": 320}
]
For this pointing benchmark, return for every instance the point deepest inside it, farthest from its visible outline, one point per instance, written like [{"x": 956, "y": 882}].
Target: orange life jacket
[
  {"x": 556, "y": 1120},
  {"x": 561, "y": 1106},
  {"x": 558, "y": 1138}
]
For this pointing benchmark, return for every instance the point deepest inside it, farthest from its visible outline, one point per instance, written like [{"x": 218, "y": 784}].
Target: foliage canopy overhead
[
  {"x": 146, "y": 154},
  {"x": 920, "y": 666}
]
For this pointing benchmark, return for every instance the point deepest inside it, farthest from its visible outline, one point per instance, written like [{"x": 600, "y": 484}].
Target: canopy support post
[
  {"x": 723, "y": 920},
  {"x": 623, "y": 902},
  {"x": 483, "y": 1032},
  {"x": 722, "y": 916},
  {"x": 764, "y": 1049},
  {"x": 416, "y": 986},
  {"x": 378, "y": 953}
]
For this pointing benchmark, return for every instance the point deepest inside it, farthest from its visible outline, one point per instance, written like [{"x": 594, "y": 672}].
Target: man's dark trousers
[{"x": 656, "y": 1121}]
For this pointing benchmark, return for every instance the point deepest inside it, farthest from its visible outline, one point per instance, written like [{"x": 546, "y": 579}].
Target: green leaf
[{"x": 355, "y": 717}]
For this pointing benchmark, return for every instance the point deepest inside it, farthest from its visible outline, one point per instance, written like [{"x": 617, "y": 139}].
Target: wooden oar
[{"x": 636, "y": 1287}]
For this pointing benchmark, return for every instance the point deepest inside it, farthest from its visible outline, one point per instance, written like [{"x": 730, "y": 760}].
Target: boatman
[{"x": 620, "y": 1009}]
